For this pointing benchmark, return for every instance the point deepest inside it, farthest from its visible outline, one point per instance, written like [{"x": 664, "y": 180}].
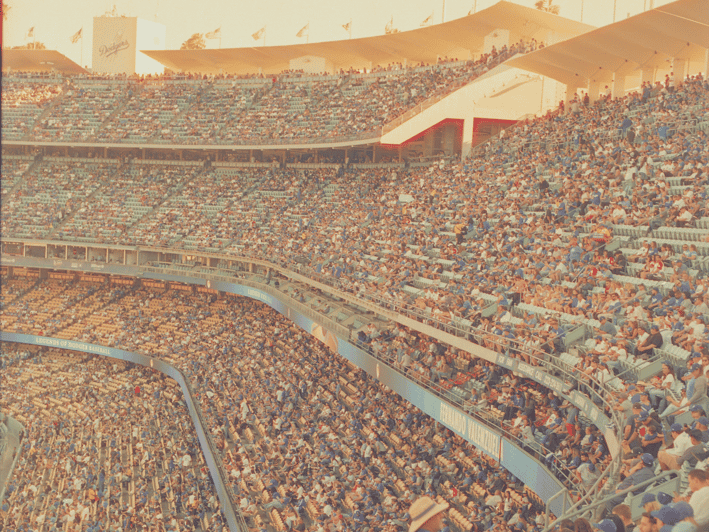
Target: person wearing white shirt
[
  {"x": 682, "y": 442},
  {"x": 699, "y": 501}
]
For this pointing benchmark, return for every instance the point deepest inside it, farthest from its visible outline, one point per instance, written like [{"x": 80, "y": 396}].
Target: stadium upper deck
[{"x": 176, "y": 110}]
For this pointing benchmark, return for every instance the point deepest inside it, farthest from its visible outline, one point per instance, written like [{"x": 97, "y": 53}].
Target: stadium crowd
[
  {"x": 291, "y": 437},
  {"x": 281, "y": 408},
  {"x": 107, "y": 447},
  {"x": 532, "y": 240},
  {"x": 595, "y": 219},
  {"x": 228, "y": 110}
]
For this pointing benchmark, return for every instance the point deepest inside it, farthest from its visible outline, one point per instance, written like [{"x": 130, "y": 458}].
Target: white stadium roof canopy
[{"x": 461, "y": 38}]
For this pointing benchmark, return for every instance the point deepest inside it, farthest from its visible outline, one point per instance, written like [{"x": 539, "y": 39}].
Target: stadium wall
[{"x": 522, "y": 94}]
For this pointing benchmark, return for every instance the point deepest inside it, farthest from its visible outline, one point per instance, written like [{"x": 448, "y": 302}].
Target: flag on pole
[
  {"x": 75, "y": 38},
  {"x": 30, "y": 32},
  {"x": 259, "y": 33},
  {"x": 428, "y": 20},
  {"x": 303, "y": 30},
  {"x": 216, "y": 34},
  {"x": 347, "y": 26},
  {"x": 389, "y": 28}
]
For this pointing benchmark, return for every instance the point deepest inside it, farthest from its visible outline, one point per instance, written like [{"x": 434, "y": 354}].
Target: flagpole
[
  {"x": 350, "y": 30},
  {"x": 264, "y": 36},
  {"x": 82, "y": 47},
  {"x": 307, "y": 37}
]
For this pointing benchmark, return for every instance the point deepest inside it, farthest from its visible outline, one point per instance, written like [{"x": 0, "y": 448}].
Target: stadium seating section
[{"x": 565, "y": 240}]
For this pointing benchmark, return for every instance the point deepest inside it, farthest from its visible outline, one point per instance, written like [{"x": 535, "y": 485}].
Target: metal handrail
[
  {"x": 575, "y": 511},
  {"x": 592, "y": 385},
  {"x": 445, "y": 395}
]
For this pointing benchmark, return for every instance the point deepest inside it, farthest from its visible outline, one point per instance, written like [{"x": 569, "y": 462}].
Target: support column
[
  {"x": 619, "y": 86},
  {"x": 594, "y": 88},
  {"x": 680, "y": 70},
  {"x": 648, "y": 75},
  {"x": 705, "y": 70},
  {"x": 467, "y": 146},
  {"x": 568, "y": 97}
]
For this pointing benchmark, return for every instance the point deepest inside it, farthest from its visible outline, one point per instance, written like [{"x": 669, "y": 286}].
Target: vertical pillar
[
  {"x": 648, "y": 75},
  {"x": 467, "y": 146},
  {"x": 680, "y": 70},
  {"x": 568, "y": 97},
  {"x": 705, "y": 70},
  {"x": 619, "y": 86},
  {"x": 594, "y": 88}
]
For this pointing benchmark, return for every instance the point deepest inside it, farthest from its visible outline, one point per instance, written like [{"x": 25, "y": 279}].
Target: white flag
[
  {"x": 389, "y": 28},
  {"x": 259, "y": 33},
  {"x": 216, "y": 34},
  {"x": 75, "y": 38},
  {"x": 303, "y": 30},
  {"x": 427, "y": 20}
]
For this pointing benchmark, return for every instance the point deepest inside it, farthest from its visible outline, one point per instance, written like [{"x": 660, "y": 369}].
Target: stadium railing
[
  {"x": 235, "y": 518},
  {"x": 594, "y": 390}
]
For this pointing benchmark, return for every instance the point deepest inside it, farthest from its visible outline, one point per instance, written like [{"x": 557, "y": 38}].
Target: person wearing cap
[
  {"x": 427, "y": 515},
  {"x": 638, "y": 474},
  {"x": 653, "y": 438},
  {"x": 630, "y": 433},
  {"x": 680, "y": 443},
  {"x": 664, "y": 498},
  {"x": 607, "y": 525},
  {"x": 649, "y": 502},
  {"x": 646, "y": 348},
  {"x": 666, "y": 516},
  {"x": 686, "y": 514},
  {"x": 586, "y": 472},
  {"x": 697, "y": 411},
  {"x": 702, "y": 424}
]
